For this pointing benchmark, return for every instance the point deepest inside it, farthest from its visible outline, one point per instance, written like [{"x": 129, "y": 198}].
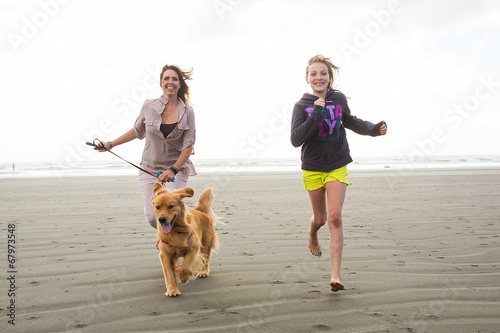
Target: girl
[{"x": 318, "y": 125}]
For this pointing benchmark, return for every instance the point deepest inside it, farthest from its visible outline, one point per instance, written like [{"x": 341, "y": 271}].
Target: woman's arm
[
  {"x": 185, "y": 154},
  {"x": 168, "y": 175},
  {"x": 128, "y": 136}
]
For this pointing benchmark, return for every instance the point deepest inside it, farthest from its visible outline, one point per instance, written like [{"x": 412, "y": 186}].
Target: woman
[
  {"x": 168, "y": 125},
  {"x": 318, "y": 125}
]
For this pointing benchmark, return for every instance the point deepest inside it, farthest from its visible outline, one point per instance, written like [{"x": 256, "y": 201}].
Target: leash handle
[
  {"x": 159, "y": 174},
  {"x": 100, "y": 146}
]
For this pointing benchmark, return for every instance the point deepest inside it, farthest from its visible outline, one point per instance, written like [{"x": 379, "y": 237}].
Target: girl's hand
[
  {"x": 320, "y": 101},
  {"x": 383, "y": 129},
  {"x": 166, "y": 176}
]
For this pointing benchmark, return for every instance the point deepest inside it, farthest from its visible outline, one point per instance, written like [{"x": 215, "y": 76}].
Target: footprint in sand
[
  {"x": 321, "y": 327},
  {"x": 80, "y": 325}
]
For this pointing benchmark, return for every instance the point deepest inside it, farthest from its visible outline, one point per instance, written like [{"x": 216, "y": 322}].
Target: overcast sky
[{"x": 73, "y": 70}]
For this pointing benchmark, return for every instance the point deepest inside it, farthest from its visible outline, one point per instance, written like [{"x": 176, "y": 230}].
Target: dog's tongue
[{"x": 166, "y": 228}]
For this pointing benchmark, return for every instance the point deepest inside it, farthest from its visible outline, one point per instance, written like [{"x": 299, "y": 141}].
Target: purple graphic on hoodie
[{"x": 335, "y": 112}]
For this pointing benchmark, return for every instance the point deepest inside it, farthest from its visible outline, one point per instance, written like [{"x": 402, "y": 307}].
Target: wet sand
[{"x": 421, "y": 254}]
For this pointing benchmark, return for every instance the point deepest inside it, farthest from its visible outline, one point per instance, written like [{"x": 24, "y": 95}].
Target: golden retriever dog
[{"x": 183, "y": 232}]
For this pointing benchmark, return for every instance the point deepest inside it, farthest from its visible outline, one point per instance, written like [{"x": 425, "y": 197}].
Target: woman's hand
[
  {"x": 105, "y": 144},
  {"x": 383, "y": 129},
  {"x": 167, "y": 176},
  {"x": 320, "y": 101}
]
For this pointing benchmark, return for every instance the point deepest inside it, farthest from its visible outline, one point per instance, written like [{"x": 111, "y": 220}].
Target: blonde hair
[{"x": 333, "y": 70}]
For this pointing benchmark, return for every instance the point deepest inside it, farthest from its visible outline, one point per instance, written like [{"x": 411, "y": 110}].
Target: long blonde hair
[{"x": 333, "y": 70}]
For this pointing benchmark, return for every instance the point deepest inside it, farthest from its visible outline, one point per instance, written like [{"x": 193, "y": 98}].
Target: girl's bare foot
[
  {"x": 336, "y": 285},
  {"x": 314, "y": 244}
]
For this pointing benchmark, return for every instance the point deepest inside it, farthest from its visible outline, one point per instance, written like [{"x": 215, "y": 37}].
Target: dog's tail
[
  {"x": 205, "y": 201},
  {"x": 205, "y": 204}
]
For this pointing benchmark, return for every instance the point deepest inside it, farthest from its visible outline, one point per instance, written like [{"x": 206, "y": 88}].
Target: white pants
[{"x": 146, "y": 183}]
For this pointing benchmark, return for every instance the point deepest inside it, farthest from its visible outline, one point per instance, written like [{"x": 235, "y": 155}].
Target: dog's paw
[
  {"x": 204, "y": 274},
  {"x": 173, "y": 292},
  {"x": 185, "y": 275}
]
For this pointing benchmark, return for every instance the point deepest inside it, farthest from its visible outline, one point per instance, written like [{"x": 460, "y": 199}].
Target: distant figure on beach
[
  {"x": 318, "y": 125},
  {"x": 13, "y": 167},
  {"x": 168, "y": 124}
]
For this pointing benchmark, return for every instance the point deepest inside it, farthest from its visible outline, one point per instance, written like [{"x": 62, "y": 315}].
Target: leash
[{"x": 100, "y": 146}]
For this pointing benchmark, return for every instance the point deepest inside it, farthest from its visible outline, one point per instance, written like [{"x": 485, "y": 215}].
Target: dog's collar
[{"x": 175, "y": 232}]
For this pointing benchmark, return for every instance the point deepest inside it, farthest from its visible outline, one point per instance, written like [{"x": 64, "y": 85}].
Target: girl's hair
[
  {"x": 333, "y": 70},
  {"x": 183, "y": 92}
]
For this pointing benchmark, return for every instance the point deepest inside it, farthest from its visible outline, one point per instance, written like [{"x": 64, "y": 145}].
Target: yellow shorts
[{"x": 317, "y": 179}]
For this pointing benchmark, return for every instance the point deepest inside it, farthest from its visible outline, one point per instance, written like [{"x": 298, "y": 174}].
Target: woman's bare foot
[
  {"x": 336, "y": 285},
  {"x": 314, "y": 244}
]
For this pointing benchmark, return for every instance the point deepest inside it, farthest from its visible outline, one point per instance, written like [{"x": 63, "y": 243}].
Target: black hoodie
[{"x": 321, "y": 131}]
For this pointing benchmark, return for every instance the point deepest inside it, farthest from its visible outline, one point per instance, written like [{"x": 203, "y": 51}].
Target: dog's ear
[
  {"x": 184, "y": 192},
  {"x": 157, "y": 187}
]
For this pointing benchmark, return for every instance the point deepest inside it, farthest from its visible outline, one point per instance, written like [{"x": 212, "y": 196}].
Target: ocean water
[{"x": 232, "y": 166}]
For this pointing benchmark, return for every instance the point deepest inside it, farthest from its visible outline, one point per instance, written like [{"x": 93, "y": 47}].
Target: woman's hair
[
  {"x": 333, "y": 70},
  {"x": 183, "y": 92}
]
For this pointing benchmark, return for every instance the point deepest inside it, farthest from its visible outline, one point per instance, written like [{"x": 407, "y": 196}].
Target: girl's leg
[
  {"x": 335, "y": 192},
  {"x": 318, "y": 219}
]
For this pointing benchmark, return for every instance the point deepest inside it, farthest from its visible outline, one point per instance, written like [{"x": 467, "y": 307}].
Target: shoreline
[
  {"x": 217, "y": 166},
  {"x": 401, "y": 170}
]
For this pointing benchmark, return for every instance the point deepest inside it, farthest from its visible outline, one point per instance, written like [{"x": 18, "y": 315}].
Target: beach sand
[{"x": 421, "y": 254}]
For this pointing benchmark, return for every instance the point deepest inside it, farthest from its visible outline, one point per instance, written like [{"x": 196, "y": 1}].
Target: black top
[{"x": 166, "y": 129}]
